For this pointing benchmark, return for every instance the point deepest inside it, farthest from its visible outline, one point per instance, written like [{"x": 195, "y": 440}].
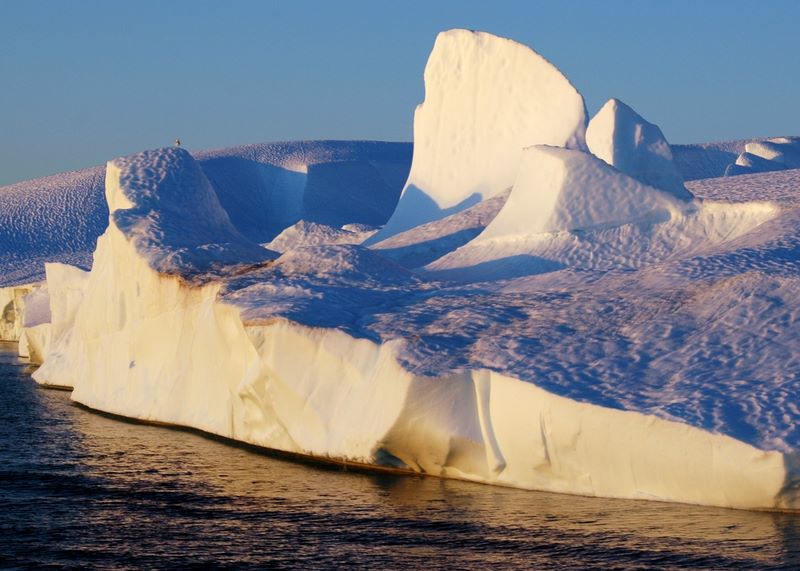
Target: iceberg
[
  {"x": 162, "y": 342},
  {"x": 577, "y": 329}
]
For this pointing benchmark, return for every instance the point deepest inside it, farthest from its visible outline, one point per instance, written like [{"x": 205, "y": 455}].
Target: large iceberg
[
  {"x": 584, "y": 329},
  {"x": 336, "y": 352}
]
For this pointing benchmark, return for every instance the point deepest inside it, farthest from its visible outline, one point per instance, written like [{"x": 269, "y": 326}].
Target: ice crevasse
[{"x": 156, "y": 331}]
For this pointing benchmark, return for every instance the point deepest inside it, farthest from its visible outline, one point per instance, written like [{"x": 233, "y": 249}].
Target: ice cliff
[{"x": 580, "y": 325}]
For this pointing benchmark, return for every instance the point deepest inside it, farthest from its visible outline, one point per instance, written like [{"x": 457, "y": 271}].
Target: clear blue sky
[{"x": 84, "y": 81}]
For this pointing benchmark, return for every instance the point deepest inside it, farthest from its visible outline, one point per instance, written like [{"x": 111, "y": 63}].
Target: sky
[{"x": 84, "y": 81}]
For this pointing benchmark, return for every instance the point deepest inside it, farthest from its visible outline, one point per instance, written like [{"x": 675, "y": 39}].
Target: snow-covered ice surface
[
  {"x": 313, "y": 234},
  {"x": 264, "y": 188},
  {"x": 577, "y": 331},
  {"x": 428, "y": 242}
]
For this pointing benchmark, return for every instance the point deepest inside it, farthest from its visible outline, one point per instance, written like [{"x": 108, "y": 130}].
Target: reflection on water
[{"x": 80, "y": 489}]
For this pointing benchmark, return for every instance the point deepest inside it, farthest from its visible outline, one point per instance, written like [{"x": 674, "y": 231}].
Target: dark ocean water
[{"x": 80, "y": 490}]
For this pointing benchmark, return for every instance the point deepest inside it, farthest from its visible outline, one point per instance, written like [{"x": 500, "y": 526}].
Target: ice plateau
[{"x": 582, "y": 325}]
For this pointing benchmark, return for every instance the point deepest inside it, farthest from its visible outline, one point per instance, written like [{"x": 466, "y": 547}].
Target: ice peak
[
  {"x": 486, "y": 98},
  {"x": 624, "y": 139}
]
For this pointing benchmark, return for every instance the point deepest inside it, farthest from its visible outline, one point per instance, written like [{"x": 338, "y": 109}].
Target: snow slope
[
  {"x": 428, "y": 242},
  {"x": 56, "y": 218},
  {"x": 486, "y": 98},
  {"x": 568, "y": 209}
]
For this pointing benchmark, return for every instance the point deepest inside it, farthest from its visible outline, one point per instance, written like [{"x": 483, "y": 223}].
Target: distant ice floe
[
  {"x": 710, "y": 160},
  {"x": 625, "y": 140},
  {"x": 768, "y": 155}
]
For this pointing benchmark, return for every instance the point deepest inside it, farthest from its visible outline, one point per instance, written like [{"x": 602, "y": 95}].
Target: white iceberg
[
  {"x": 608, "y": 338},
  {"x": 217, "y": 354}
]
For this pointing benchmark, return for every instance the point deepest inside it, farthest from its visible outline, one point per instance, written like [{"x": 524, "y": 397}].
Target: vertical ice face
[
  {"x": 486, "y": 98},
  {"x": 623, "y": 139}
]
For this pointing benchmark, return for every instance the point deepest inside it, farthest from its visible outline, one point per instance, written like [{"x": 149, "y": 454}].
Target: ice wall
[
  {"x": 12, "y": 305},
  {"x": 268, "y": 187},
  {"x": 486, "y": 98}
]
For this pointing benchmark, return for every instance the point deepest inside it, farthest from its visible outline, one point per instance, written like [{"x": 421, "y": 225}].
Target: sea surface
[{"x": 82, "y": 490}]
